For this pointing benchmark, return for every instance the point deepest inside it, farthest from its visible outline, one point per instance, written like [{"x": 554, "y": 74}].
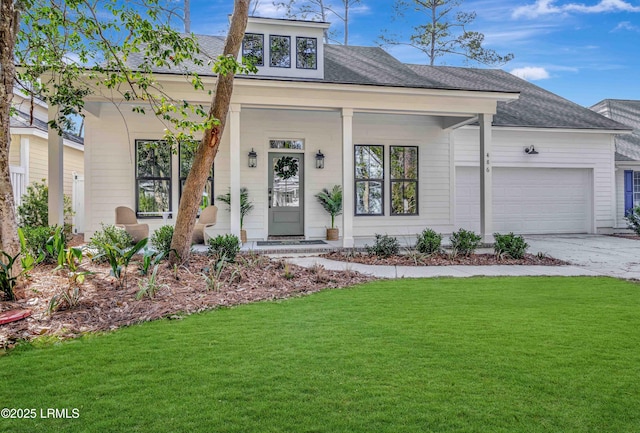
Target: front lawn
[{"x": 441, "y": 355}]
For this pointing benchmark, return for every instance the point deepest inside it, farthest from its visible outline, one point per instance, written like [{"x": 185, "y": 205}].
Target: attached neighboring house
[
  {"x": 28, "y": 155},
  {"x": 627, "y": 153},
  {"x": 412, "y": 146}
]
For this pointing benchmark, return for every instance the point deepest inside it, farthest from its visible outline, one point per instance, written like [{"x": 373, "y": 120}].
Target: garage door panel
[{"x": 527, "y": 200}]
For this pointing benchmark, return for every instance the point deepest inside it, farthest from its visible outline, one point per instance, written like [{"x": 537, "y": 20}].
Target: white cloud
[
  {"x": 531, "y": 73},
  {"x": 548, "y": 7},
  {"x": 626, "y": 25}
]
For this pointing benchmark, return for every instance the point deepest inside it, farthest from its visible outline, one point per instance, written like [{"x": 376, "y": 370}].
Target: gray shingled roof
[
  {"x": 20, "y": 119},
  {"x": 373, "y": 66},
  {"x": 626, "y": 112},
  {"x": 536, "y": 107}
]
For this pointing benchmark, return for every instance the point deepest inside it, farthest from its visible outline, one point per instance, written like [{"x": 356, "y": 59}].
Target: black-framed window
[
  {"x": 253, "y": 48},
  {"x": 369, "y": 179},
  {"x": 403, "y": 177},
  {"x": 306, "y": 53},
  {"x": 186, "y": 154},
  {"x": 153, "y": 177},
  {"x": 280, "y": 51}
]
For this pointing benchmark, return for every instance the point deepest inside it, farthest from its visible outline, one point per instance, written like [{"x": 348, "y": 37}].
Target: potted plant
[
  {"x": 331, "y": 201},
  {"x": 245, "y": 207}
]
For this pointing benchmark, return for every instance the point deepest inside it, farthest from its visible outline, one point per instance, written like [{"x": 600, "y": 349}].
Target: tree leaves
[{"x": 444, "y": 33}]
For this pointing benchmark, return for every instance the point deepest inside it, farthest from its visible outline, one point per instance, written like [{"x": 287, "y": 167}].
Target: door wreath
[{"x": 286, "y": 167}]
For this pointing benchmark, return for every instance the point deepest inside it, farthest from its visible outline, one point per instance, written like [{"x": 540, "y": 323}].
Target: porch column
[
  {"x": 56, "y": 173},
  {"x": 234, "y": 160},
  {"x": 347, "y": 178},
  {"x": 486, "y": 196}
]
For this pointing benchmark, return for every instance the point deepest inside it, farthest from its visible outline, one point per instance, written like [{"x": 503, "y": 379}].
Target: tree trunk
[
  {"x": 8, "y": 31},
  {"x": 187, "y": 16},
  {"x": 208, "y": 147},
  {"x": 346, "y": 22}
]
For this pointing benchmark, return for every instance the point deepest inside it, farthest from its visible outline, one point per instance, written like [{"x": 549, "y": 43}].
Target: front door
[{"x": 286, "y": 197}]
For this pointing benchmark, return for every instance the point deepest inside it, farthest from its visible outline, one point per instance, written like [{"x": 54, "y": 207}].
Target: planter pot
[
  {"x": 332, "y": 234},
  {"x": 243, "y": 236}
]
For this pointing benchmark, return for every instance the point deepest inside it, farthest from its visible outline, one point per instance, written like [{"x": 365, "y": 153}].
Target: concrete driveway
[{"x": 606, "y": 255}]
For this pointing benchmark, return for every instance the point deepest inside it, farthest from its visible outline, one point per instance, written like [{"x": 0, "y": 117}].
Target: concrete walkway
[{"x": 589, "y": 255}]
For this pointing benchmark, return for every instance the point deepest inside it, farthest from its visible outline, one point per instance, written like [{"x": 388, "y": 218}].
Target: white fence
[{"x": 19, "y": 183}]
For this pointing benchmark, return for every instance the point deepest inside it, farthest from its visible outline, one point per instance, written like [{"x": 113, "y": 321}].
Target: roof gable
[{"x": 626, "y": 112}]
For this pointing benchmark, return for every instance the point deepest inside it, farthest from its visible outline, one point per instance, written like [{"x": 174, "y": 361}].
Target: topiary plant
[
  {"x": 225, "y": 247},
  {"x": 510, "y": 245},
  {"x": 384, "y": 246},
  {"x": 465, "y": 242},
  {"x": 429, "y": 242},
  {"x": 161, "y": 239}
]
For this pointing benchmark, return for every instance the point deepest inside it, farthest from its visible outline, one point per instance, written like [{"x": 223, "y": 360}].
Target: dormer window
[
  {"x": 280, "y": 51},
  {"x": 306, "y": 53},
  {"x": 253, "y": 48}
]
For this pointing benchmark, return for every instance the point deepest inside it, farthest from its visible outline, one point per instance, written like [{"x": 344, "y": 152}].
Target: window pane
[
  {"x": 280, "y": 48},
  {"x": 368, "y": 198},
  {"x": 404, "y": 162},
  {"x": 404, "y": 198},
  {"x": 187, "y": 152},
  {"x": 253, "y": 48},
  {"x": 153, "y": 158},
  {"x": 369, "y": 162},
  {"x": 286, "y": 144},
  {"x": 636, "y": 188},
  {"x": 207, "y": 194},
  {"x": 153, "y": 195},
  {"x": 306, "y": 53}
]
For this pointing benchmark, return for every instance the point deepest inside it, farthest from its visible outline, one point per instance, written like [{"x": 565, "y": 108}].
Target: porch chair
[
  {"x": 208, "y": 218},
  {"x": 126, "y": 218}
]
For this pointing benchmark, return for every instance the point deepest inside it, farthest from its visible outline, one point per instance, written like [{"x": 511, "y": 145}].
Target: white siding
[
  {"x": 110, "y": 177},
  {"x": 434, "y": 172},
  {"x": 561, "y": 149},
  {"x": 109, "y": 163}
]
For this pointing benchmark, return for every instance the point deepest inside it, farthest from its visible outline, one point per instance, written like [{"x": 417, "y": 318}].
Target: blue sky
[{"x": 583, "y": 50}]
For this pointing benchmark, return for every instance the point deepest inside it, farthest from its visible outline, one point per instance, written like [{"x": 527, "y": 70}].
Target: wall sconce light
[
  {"x": 319, "y": 159},
  {"x": 253, "y": 158},
  {"x": 530, "y": 150}
]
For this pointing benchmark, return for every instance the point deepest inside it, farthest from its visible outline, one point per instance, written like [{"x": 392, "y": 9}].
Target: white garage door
[{"x": 527, "y": 200}]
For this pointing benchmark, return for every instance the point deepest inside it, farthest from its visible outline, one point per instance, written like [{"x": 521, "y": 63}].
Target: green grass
[{"x": 440, "y": 355}]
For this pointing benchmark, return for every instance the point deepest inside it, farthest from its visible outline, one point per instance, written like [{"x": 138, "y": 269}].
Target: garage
[{"x": 528, "y": 200}]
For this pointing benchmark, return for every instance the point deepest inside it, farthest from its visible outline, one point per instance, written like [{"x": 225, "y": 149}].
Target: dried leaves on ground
[
  {"x": 442, "y": 259},
  {"x": 182, "y": 290}
]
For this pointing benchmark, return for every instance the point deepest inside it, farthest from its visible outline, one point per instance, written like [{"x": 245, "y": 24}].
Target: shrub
[
  {"x": 227, "y": 246},
  {"x": 161, "y": 239},
  {"x": 633, "y": 219},
  {"x": 109, "y": 235},
  {"x": 34, "y": 210},
  {"x": 119, "y": 259},
  {"x": 36, "y": 239},
  {"x": 384, "y": 246},
  {"x": 510, "y": 245},
  {"x": 429, "y": 242},
  {"x": 8, "y": 280},
  {"x": 465, "y": 242}
]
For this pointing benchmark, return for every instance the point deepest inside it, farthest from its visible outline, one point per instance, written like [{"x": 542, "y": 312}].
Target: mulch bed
[
  {"x": 626, "y": 236},
  {"x": 104, "y": 307},
  {"x": 442, "y": 259}
]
